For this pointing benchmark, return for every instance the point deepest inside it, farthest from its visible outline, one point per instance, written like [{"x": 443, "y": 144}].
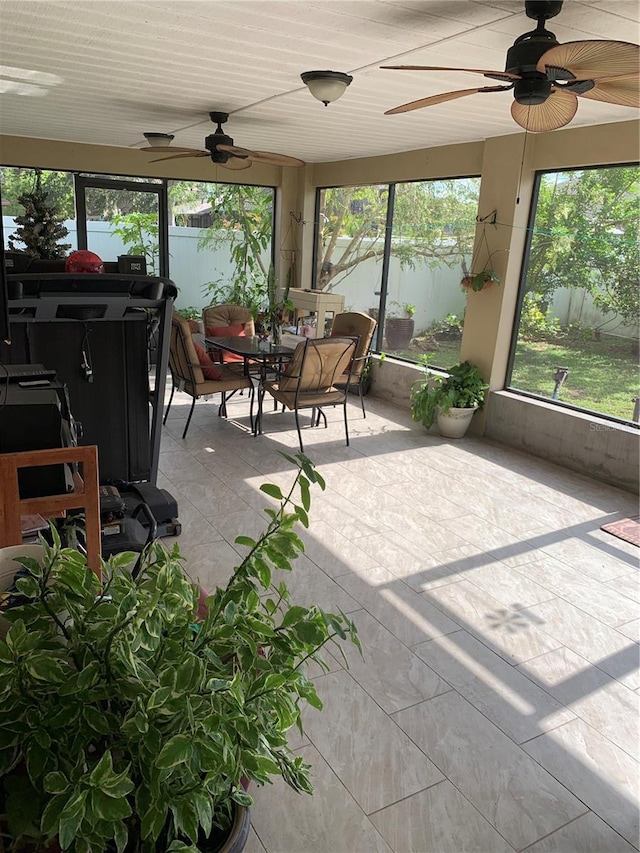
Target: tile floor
[{"x": 496, "y": 708}]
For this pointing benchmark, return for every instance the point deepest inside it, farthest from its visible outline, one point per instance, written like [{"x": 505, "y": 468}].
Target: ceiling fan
[
  {"x": 222, "y": 151},
  {"x": 546, "y": 76}
]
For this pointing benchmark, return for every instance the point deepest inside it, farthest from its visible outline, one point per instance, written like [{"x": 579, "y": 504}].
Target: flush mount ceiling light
[
  {"x": 326, "y": 86},
  {"x": 159, "y": 140}
]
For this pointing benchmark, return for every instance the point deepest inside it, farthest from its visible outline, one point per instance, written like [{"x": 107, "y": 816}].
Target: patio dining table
[{"x": 254, "y": 353}]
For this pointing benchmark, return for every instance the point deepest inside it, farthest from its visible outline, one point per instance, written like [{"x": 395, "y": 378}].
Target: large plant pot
[
  {"x": 399, "y": 332},
  {"x": 234, "y": 843},
  {"x": 237, "y": 840},
  {"x": 455, "y": 422}
]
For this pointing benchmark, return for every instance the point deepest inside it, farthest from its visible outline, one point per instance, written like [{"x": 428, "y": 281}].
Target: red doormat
[{"x": 627, "y": 529}]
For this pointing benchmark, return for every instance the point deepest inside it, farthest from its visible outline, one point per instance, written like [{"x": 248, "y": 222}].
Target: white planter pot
[{"x": 455, "y": 422}]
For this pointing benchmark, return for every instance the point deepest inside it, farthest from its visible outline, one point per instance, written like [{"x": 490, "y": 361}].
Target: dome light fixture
[
  {"x": 159, "y": 140},
  {"x": 326, "y": 86}
]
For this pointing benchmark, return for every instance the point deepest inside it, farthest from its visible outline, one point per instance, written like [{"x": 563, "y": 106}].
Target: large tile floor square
[{"x": 497, "y": 706}]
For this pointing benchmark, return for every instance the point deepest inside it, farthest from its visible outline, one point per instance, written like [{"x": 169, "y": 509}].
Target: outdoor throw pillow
[
  {"x": 227, "y": 332},
  {"x": 208, "y": 369}
]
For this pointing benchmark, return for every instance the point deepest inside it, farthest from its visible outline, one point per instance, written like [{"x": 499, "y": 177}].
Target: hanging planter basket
[
  {"x": 479, "y": 281},
  {"x": 486, "y": 277}
]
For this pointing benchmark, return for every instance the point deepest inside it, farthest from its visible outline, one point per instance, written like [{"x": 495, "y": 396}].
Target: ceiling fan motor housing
[
  {"x": 532, "y": 92},
  {"x": 523, "y": 55},
  {"x": 215, "y": 139}
]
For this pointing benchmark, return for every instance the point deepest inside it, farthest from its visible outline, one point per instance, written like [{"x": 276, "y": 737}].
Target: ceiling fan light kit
[
  {"x": 547, "y": 77},
  {"x": 326, "y": 86},
  {"x": 159, "y": 140}
]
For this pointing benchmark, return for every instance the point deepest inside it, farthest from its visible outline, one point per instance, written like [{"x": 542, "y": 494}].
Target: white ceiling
[{"x": 104, "y": 72}]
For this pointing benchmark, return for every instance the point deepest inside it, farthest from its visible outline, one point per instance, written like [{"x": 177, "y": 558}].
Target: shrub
[
  {"x": 448, "y": 329},
  {"x": 536, "y": 322}
]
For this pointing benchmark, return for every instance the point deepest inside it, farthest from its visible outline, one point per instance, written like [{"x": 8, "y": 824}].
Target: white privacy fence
[
  {"x": 435, "y": 292},
  {"x": 575, "y": 305}
]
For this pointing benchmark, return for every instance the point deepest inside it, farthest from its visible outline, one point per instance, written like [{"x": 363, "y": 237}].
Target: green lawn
[
  {"x": 442, "y": 353},
  {"x": 603, "y": 374}
]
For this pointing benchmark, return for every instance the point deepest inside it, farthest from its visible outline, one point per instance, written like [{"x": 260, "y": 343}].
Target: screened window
[
  {"x": 220, "y": 236},
  {"x": 431, "y": 245},
  {"x": 576, "y": 338},
  {"x": 398, "y": 252},
  {"x": 220, "y": 243}
]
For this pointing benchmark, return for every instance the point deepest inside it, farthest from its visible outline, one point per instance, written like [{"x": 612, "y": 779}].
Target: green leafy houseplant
[
  {"x": 133, "y": 714},
  {"x": 240, "y": 291},
  {"x": 462, "y": 388},
  {"x": 191, "y": 313}
]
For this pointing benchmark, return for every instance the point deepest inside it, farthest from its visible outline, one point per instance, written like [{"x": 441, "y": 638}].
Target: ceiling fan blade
[
  {"x": 192, "y": 153},
  {"x": 590, "y": 59},
  {"x": 235, "y": 150},
  {"x": 497, "y": 75},
  {"x": 158, "y": 149},
  {"x": 440, "y": 99},
  {"x": 236, "y": 163},
  {"x": 623, "y": 90},
  {"x": 276, "y": 159},
  {"x": 558, "y": 110},
  {"x": 263, "y": 156}
]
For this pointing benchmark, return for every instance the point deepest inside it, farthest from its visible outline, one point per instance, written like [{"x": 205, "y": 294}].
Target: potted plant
[
  {"x": 449, "y": 400},
  {"x": 482, "y": 279},
  {"x": 134, "y": 712},
  {"x": 193, "y": 316},
  {"x": 399, "y": 327}
]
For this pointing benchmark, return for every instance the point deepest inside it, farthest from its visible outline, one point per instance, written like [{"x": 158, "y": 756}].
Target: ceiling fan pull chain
[{"x": 524, "y": 151}]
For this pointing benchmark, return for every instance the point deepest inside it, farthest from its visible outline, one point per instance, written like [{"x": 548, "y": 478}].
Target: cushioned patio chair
[
  {"x": 193, "y": 372},
  {"x": 309, "y": 380},
  {"x": 358, "y": 325},
  {"x": 226, "y": 321}
]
